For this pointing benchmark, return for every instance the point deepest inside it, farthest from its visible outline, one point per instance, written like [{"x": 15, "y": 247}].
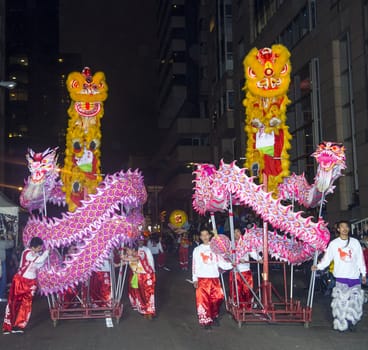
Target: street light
[{"x": 8, "y": 84}]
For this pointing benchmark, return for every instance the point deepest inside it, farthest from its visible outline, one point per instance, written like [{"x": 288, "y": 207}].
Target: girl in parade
[{"x": 142, "y": 279}]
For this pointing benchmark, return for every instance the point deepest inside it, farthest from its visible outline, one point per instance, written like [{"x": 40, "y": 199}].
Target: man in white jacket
[
  {"x": 23, "y": 288},
  {"x": 205, "y": 269},
  {"x": 349, "y": 266}
]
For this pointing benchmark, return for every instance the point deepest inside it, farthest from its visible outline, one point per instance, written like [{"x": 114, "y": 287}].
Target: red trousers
[
  {"x": 69, "y": 296},
  {"x": 245, "y": 295},
  {"x": 209, "y": 296},
  {"x": 100, "y": 288},
  {"x": 19, "y": 307},
  {"x": 183, "y": 257},
  {"x": 161, "y": 260},
  {"x": 142, "y": 298}
]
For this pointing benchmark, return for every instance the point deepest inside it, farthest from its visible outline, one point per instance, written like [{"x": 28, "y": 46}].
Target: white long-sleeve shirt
[
  {"x": 154, "y": 247},
  {"x": 206, "y": 263},
  {"x": 246, "y": 266},
  {"x": 30, "y": 262},
  {"x": 348, "y": 260}
]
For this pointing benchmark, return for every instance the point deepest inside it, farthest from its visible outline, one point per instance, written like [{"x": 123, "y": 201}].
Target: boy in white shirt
[
  {"x": 209, "y": 294},
  {"x": 349, "y": 265}
]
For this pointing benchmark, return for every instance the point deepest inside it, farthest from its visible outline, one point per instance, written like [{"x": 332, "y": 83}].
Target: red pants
[
  {"x": 245, "y": 295},
  {"x": 18, "y": 310},
  {"x": 161, "y": 260},
  {"x": 69, "y": 297},
  {"x": 209, "y": 296},
  {"x": 142, "y": 298},
  {"x": 183, "y": 257},
  {"x": 100, "y": 288}
]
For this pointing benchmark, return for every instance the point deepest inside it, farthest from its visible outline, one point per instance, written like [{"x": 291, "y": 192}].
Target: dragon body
[
  {"x": 229, "y": 182},
  {"x": 106, "y": 219}
]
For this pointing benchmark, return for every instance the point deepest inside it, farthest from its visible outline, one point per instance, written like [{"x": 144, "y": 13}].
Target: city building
[
  {"x": 183, "y": 114},
  {"x": 328, "y": 45}
]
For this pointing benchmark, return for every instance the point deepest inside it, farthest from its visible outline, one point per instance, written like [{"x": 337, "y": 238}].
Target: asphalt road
[{"x": 176, "y": 327}]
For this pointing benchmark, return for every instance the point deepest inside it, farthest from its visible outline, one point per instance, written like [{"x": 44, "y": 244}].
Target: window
[
  {"x": 347, "y": 122},
  {"x": 304, "y": 118},
  {"x": 230, "y": 94}
]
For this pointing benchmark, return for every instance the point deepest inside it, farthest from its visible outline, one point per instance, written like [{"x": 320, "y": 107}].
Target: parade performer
[
  {"x": 209, "y": 294},
  {"x": 142, "y": 279},
  {"x": 4, "y": 245},
  {"x": 347, "y": 296},
  {"x": 244, "y": 293},
  {"x": 70, "y": 295},
  {"x": 184, "y": 252},
  {"x": 100, "y": 285},
  {"x": 23, "y": 288},
  {"x": 155, "y": 246}
]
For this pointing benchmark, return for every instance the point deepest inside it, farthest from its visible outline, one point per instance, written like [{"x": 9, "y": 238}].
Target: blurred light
[
  {"x": 60, "y": 60},
  {"x": 8, "y": 84}
]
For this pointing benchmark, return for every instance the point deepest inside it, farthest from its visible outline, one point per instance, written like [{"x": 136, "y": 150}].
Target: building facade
[
  {"x": 328, "y": 44},
  {"x": 183, "y": 114}
]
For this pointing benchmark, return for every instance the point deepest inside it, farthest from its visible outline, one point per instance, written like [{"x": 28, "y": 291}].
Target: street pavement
[{"x": 176, "y": 326}]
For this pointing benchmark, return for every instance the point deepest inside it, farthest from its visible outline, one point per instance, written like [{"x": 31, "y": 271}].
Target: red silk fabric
[
  {"x": 19, "y": 307},
  {"x": 142, "y": 298},
  {"x": 245, "y": 295},
  {"x": 209, "y": 296},
  {"x": 100, "y": 288}
]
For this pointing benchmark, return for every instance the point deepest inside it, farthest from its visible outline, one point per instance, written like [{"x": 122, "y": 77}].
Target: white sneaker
[
  {"x": 166, "y": 269},
  {"x": 3, "y": 300}
]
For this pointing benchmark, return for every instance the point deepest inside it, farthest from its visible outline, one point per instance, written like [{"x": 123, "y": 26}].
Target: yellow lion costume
[
  {"x": 267, "y": 73},
  {"x": 81, "y": 173}
]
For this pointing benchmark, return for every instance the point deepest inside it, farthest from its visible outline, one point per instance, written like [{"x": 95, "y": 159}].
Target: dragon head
[
  {"x": 267, "y": 71},
  {"x": 42, "y": 164},
  {"x": 330, "y": 154},
  {"x": 330, "y": 157}
]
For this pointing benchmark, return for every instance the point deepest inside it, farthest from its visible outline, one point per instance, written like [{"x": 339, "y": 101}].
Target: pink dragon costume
[
  {"x": 302, "y": 235},
  {"x": 102, "y": 214}
]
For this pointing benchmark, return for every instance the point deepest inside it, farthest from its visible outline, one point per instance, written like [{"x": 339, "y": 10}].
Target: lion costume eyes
[{"x": 251, "y": 73}]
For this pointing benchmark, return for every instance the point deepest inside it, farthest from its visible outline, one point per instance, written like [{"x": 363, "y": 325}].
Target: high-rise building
[
  {"x": 36, "y": 110},
  {"x": 328, "y": 45},
  {"x": 2, "y": 92},
  {"x": 183, "y": 117},
  {"x": 219, "y": 24}
]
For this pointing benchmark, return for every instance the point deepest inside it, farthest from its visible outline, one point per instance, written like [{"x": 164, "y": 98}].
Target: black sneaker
[
  {"x": 207, "y": 327},
  {"x": 17, "y": 330},
  {"x": 216, "y": 322}
]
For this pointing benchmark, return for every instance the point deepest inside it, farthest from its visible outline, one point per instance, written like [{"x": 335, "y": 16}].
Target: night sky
[{"x": 118, "y": 38}]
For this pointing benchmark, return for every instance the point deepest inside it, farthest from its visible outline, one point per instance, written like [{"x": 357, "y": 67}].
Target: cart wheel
[
  {"x": 306, "y": 324},
  {"x": 239, "y": 324},
  {"x": 54, "y": 323}
]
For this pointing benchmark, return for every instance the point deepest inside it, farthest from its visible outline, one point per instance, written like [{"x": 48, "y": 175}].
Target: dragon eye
[
  {"x": 74, "y": 84},
  {"x": 335, "y": 148},
  {"x": 251, "y": 73},
  {"x": 92, "y": 145}
]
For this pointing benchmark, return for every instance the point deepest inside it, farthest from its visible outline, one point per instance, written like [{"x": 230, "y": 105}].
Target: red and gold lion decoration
[
  {"x": 267, "y": 73},
  {"x": 81, "y": 172}
]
